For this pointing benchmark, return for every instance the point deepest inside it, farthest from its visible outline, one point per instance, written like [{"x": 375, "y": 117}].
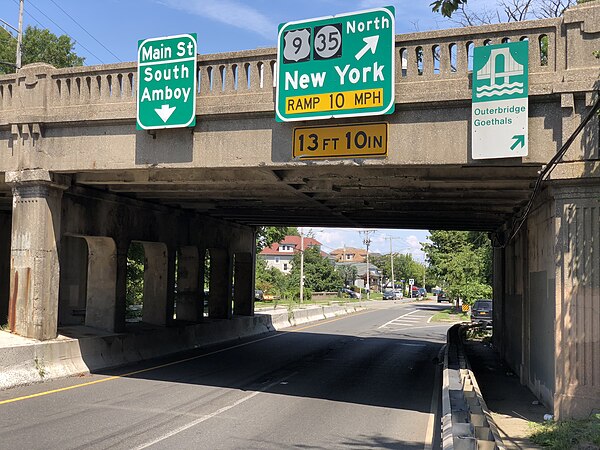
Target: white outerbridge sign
[
  {"x": 166, "y": 82},
  {"x": 499, "y": 117}
]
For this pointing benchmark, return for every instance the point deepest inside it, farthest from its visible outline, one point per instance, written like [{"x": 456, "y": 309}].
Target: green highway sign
[
  {"x": 337, "y": 66},
  {"x": 166, "y": 82},
  {"x": 499, "y": 109}
]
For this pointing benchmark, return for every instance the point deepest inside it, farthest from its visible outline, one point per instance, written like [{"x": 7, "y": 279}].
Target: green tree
[
  {"x": 348, "y": 274},
  {"x": 270, "y": 280},
  {"x": 319, "y": 272},
  {"x": 135, "y": 274},
  {"x": 39, "y": 45},
  {"x": 460, "y": 262},
  {"x": 405, "y": 267}
]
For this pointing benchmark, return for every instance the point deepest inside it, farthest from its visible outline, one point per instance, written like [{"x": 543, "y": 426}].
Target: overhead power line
[
  {"x": 547, "y": 170},
  {"x": 86, "y": 31},
  {"x": 60, "y": 28}
]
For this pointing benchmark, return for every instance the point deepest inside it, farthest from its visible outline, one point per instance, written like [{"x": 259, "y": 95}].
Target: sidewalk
[{"x": 513, "y": 406}]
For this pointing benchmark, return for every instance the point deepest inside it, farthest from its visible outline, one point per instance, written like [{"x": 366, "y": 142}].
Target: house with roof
[
  {"x": 349, "y": 254},
  {"x": 375, "y": 274},
  {"x": 280, "y": 254}
]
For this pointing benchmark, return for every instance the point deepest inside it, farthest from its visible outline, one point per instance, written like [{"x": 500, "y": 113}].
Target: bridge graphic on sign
[{"x": 500, "y": 66}]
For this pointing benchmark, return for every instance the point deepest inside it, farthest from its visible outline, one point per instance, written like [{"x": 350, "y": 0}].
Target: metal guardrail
[{"x": 466, "y": 420}]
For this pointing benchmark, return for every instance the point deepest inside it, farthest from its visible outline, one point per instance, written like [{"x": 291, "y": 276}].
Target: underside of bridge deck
[{"x": 344, "y": 195}]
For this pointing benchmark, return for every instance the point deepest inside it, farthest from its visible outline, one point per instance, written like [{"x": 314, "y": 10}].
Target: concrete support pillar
[
  {"x": 244, "y": 284},
  {"x": 73, "y": 281},
  {"x": 189, "y": 302},
  {"x": 499, "y": 324},
  {"x": 101, "y": 283},
  {"x": 5, "y": 229},
  {"x": 121, "y": 286},
  {"x": 155, "y": 283},
  {"x": 577, "y": 334},
  {"x": 36, "y": 219},
  {"x": 220, "y": 298}
]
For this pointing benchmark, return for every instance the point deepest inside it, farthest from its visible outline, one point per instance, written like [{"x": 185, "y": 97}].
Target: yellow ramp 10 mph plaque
[{"x": 341, "y": 141}]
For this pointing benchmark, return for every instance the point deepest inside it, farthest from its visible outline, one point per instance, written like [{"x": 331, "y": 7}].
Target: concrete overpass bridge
[{"x": 81, "y": 184}]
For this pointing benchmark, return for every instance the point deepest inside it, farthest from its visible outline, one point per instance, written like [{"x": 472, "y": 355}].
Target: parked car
[
  {"x": 259, "y": 295},
  {"x": 418, "y": 292},
  {"x": 398, "y": 294},
  {"x": 442, "y": 297},
  {"x": 389, "y": 294},
  {"x": 349, "y": 293},
  {"x": 481, "y": 311}
]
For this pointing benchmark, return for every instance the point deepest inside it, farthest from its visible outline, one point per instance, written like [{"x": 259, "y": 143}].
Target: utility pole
[
  {"x": 392, "y": 260},
  {"x": 367, "y": 242},
  {"x": 19, "y": 32},
  {"x": 20, "y": 35},
  {"x": 301, "y": 266}
]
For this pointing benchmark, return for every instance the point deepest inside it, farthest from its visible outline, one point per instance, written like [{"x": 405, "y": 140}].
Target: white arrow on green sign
[
  {"x": 499, "y": 109},
  {"x": 338, "y": 66},
  {"x": 166, "y": 82}
]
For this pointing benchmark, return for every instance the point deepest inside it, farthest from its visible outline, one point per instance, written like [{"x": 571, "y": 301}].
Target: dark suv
[
  {"x": 481, "y": 311},
  {"x": 442, "y": 297}
]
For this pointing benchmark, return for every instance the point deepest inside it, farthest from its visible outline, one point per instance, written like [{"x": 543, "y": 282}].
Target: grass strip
[{"x": 568, "y": 434}]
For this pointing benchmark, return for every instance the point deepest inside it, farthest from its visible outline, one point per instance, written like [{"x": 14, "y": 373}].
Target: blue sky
[{"x": 221, "y": 26}]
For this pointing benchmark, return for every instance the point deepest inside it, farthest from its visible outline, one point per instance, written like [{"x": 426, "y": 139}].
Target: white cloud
[
  {"x": 228, "y": 12},
  {"x": 415, "y": 248}
]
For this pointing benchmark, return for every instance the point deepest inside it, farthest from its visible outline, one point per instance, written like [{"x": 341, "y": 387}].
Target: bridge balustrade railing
[{"x": 433, "y": 66}]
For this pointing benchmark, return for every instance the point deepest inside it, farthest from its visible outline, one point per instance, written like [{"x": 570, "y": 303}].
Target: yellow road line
[{"x": 172, "y": 363}]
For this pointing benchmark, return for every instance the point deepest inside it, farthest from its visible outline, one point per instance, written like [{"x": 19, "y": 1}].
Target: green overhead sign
[
  {"x": 339, "y": 66},
  {"x": 166, "y": 82},
  {"x": 499, "y": 117}
]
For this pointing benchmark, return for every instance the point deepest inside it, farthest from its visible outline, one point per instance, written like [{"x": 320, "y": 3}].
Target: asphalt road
[{"x": 369, "y": 380}]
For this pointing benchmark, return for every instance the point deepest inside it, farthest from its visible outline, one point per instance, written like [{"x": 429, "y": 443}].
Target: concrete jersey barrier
[{"x": 466, "y": 420}]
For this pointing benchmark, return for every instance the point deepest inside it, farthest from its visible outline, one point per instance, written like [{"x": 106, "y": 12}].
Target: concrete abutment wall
[
  {"x": 547, "y": 292},
  {"x": 83, "y": 235}
]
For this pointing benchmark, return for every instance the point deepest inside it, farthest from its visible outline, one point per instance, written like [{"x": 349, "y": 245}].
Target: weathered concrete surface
[
  {"x": 243, "y": 292},
  {"x": 81, "y": 120},
  {"x": 155, "y": 283},
  {"x": 34, "y": 254},
  {"x": 189, "y": 301},
  {"x": 577, "y": 300},
  {"x": 548, "y": 300},
  {"x": 207, "y": 187},
  {"x": 5, "y": 233}
]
